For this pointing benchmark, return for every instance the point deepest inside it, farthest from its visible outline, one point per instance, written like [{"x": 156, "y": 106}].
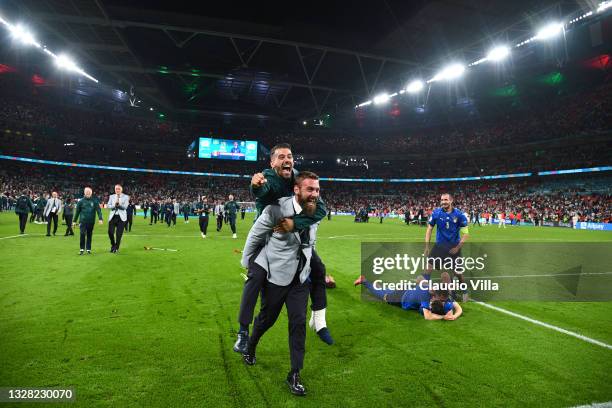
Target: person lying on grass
[{"x": 433, "y": 305}]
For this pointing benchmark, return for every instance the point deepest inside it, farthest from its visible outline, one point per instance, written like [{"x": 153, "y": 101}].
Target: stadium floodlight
[
  {"x": 415, "y": 86},
  {"x": 23, "y": 35},
  {"x": 304, "y": 123},
  {"x": 549, "y": 31},
  {"x": 604, "y": 6},
  {"x": 452, "y": 71},
  {"x": 498, "y": 53},
  {"x": 381, "y": 98},
  {"x": 65, "y": 62}
]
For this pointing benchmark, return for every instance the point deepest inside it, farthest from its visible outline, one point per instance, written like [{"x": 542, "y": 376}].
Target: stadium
[{"x": 352, "y": 204}]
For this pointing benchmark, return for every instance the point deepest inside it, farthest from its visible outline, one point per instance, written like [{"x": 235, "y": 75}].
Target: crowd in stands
[
  {"x": 534, "y": 198},
  {"x": 582, "y": 114}
]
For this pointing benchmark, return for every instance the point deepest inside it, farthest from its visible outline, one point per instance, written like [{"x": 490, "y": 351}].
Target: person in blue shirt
[
  {"x": 451, "y": 233},
  {"x": 433, "y": 305}
]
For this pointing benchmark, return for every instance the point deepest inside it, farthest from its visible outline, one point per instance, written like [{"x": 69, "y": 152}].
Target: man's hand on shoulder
[
  {"x": 285, "y": 225},
  {"x": 258, "y": 180}
]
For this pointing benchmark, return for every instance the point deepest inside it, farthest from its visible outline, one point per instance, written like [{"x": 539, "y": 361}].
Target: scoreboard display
[{"x": 227, "y": 149}]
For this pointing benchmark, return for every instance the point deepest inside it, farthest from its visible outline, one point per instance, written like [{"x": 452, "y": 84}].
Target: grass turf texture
[{"x": 155, "y": 328}]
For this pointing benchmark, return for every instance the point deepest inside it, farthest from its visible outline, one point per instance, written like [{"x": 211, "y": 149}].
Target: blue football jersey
[{"x": 448, "y": 225}]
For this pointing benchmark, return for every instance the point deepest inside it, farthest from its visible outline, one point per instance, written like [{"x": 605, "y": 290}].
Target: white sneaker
[
  {"x": 203, "y": 236},
  {"x": 234, "y": 236}
]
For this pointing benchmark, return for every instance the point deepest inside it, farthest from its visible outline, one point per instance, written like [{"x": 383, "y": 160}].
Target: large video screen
[{"x": 227, "y": 149}]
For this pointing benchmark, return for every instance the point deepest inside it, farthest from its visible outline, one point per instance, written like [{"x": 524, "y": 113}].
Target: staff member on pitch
[
  {"x": 52, "y": 209},
  {"x": 87, "y": 209},
  {"x": 285, "y": 258},
  {"x": 186, "y": 211},
  {"x": 131, "y": 211},
  {"x": 219, "y": 215},
  {"x": 22, "y": 207},
  {"x": 118, "y": 204},
  {"x": 232, "y": 207},
  {"x": 203, "y": 210},
  {"x": 68, "y": 214}
]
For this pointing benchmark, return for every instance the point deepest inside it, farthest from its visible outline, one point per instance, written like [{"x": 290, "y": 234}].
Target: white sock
[{"x": 317, "y": 320}]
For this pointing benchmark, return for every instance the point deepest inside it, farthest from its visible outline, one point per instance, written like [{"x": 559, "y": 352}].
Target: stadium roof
[{"x": 287, "y": 62}]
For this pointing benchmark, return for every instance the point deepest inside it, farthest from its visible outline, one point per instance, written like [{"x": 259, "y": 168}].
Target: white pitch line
[
  {"x": 14, "y": 236},
  {"x": 548, "y": 326}
]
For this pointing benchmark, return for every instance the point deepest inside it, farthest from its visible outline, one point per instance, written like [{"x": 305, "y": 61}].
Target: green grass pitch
[{"x": 155, "y": 329}]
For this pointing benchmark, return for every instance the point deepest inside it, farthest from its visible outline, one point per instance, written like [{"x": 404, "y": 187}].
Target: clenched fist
[{"x": 258, "y": 180}]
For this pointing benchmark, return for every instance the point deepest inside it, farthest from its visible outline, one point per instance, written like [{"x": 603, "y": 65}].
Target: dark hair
[
  {"x": 449, "y": 195},
  {"x": 442, "y": 294},
  {"x": 437, "y": 307},
  {"x": 279, "y": 146},
  {"x": 303, "y": 175}
]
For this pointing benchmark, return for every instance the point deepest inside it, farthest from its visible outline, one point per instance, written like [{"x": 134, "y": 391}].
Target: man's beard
[{"x": 309, "y": 207}]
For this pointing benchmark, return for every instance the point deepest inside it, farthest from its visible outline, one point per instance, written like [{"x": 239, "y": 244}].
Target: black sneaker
[
  {"x": 242, "y": 342},
  {"x": 295, "y": 384},
  {"x": 88, "y": 252},
  {"x": 81, "y": 252},
  {"x": 249, "y": 358}
]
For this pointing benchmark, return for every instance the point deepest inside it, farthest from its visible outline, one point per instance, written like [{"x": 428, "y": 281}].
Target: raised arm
[{"x": 259, "y": 185}]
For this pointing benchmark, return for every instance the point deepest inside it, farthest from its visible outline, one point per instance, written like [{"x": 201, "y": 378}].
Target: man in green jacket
[
  {"x": 186, "y": 209},
  {"x": 87, "y": 208},
  {"x": 268, "y": 187},
  {"x": 23, "y": 206},
  {"x": 231, "y": 208},
  {"x": 39, "y": 206}
]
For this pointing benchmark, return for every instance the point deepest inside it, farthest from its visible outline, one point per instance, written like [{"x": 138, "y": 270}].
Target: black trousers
[
  {"x": 295, "y": 298},
  {"x": 242, "y": 215},
  {"x": 186, "y": 215},
  {"x": 23, "y": 220},
  {"x": 145, "y": 212},
  {"x": 203, "y": 224},
  {"x": 52, "y": 217},
  {"x": 153, "y": 218},
  {"x": 115, "y": 231},
  {"x": 86, "y": 233},
  {"x": 68, "y": 219},
  {"x": 232, "y": 222},
  {"x": 174, "y": 218},
  {"x": 129, "y": 222},
  {"x": 168, "y": 218},
  {"x": 256, "y": 279},
  {"x": 219, "y": 222}
]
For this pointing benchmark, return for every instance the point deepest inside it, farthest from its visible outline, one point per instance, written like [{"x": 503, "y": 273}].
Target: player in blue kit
[
  {"x": 451, "y": 233},
  {"x": 433, "y": 305}
]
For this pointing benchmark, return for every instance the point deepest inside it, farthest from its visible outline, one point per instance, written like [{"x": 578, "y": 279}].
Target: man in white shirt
[{"x": 52, "y": 209}]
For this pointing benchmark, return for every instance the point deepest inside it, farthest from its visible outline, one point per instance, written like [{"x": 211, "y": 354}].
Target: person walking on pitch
[{"x": 86, "y": 209}]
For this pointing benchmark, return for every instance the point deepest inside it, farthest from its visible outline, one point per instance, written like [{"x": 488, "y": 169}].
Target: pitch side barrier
[{"x": 352, "y": 180}]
